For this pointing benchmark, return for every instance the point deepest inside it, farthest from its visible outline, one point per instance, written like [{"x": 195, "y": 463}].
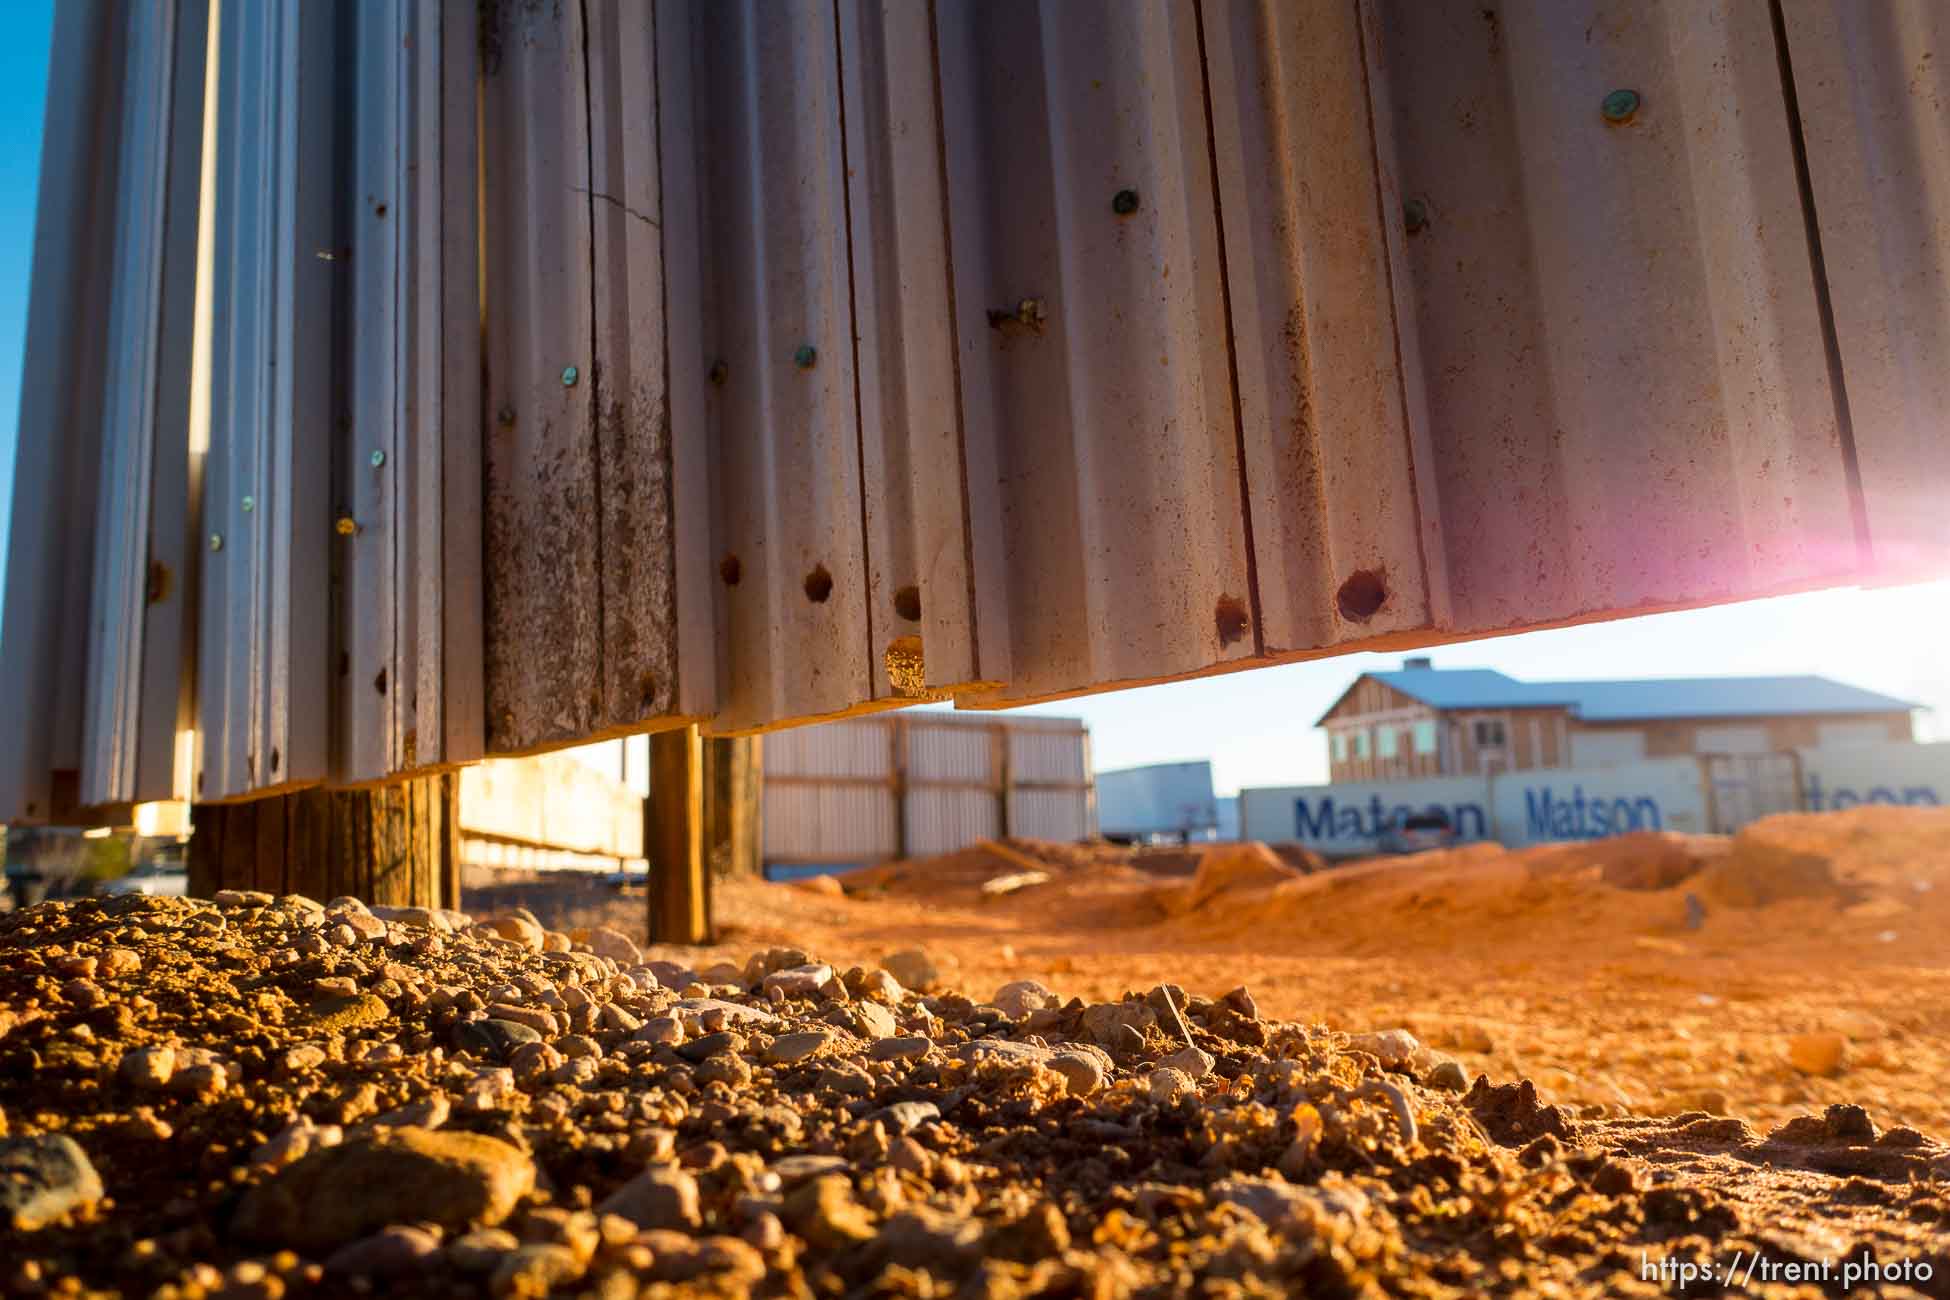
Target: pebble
[
  {"x": 390, "y": 1252},
  {"x": 1449, "y": 1076},
  {"x": 606, "y": 941},
  {"x": 1394, "y": 1048},
  {"x": 823, "y": 1211},
  {"x": 800, "y": 981},
  {"x": 149, "y": 1067},
  {"x": 913, "y": 968},
  {"x": 482, "y": 1250},
  {"x": 882, "y": 987},
  {"x": 345, "y": 1192},
  {"x": 1020, "y": 997},
  {"x": 1822, "y": 1054},
  {"x": 906, "y": 1116},
  {"x": 699, "y": 1049},
  {"x": 659, "y": 1197},
  {"x": 666, "y": 1031},
  {"x": 335, "y": 1015},
  {"x": 1168, "y": 1084},
  {"x": 292, "y": 1142},
  {"x": 1279, "y": 1204},
  {"x": 1106, "y": 1023},
  {"x": 542, "y": 1022},
  {"x": 43, "y": 1178},
  {"x": 495, "y": 1039},
  {"x": 789, "y": 1048},
  {"x": 901, "y": 1049},
  {"x": 535, "y": 1269},
  {"x": 516, "y": 929},
  {"x": 1190, "y": 1061}
]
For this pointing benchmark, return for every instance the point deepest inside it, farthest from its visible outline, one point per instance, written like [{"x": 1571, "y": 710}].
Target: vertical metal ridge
[
  {"x": 1824, "y": 302},
  {"x": 1232, "y": 346},
  {"x": 853, "y": 331}
]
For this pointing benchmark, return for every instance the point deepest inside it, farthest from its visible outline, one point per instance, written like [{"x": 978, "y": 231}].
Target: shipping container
[{"x": 922, "y": 783}]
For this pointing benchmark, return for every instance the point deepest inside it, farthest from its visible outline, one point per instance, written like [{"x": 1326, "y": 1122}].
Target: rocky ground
[{"x": 257, "y": 1097}]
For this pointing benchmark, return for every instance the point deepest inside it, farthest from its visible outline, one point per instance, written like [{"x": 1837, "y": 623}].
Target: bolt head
[
  {"x": 216, "y": 541},
  {"x": 506, "y": 415},
  {"x": 250, "y": 504},
  {"x": 806, "y": 356},
  {"x": 1415, "y": 215},
  {"x": 569, "y": 376},
  {"x": 346, "y": 526},
  {"x": 1620, "y": 106},
  {"x": 378, "y": 458},
  {"x": 1124, "y": 202},
  {"x": 719, "y": 373}
]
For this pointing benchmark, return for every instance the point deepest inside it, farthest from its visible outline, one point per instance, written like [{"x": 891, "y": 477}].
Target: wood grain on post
[
  {"x": 392, "y": 844},
  {"x": 673, "y": 839},
  {"x": 731, "y": 806}
]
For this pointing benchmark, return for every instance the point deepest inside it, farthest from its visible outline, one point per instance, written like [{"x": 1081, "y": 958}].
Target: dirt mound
[
  {"x": 1227, "y": 869},
  {"x": 965, "y": 871},
  {"x": 1640, "y": 860}
]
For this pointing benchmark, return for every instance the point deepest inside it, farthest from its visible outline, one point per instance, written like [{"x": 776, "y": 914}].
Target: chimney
[{"x": 1417, "y": 661}]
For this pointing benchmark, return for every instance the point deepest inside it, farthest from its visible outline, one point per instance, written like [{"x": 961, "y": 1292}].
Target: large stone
[
  {"x": 663, "y": 1196},
  {"x": 1279, "y": 1204},
  {"x": 800, "y": 981},
  {"x": 390, "y": 1252},
  {"x": 517, "y": 929},
  {"x": 405, "y": 1175},
  {"x": 1394, "y": 1048},
  {"x": 43, "y": 1178},
  {"x": 823, "y": 1211}
]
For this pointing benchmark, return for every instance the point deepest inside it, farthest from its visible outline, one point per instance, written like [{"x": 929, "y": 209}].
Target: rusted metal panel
[
  {"x": 543, "y": 593},
  {"x": 1870, "y": 83},
  {"x": 1334, "y": 486},
  {"x": 1091, "y": 318}
]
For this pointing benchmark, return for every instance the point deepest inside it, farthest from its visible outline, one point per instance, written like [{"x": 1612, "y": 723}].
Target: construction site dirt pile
[{"x": 273, "y": 1097}]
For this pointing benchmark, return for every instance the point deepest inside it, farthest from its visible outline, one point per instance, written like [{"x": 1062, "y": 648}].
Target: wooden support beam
[
  {"x": 733, "y": 829},
  {"x": 673, "y": 839},
  {"x": 391, "y": 844}
]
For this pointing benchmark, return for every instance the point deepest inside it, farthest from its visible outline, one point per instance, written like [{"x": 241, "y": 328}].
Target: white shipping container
[
  {"x": 1660, "y": 794},
  {"x": 1895, "y": 772},
  {"x": 1157, "y": 799},
  {"x": 1342, "y": 820}
]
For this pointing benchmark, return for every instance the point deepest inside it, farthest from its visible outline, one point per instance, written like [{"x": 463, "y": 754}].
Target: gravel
[{"x": 264, "y": 1098}]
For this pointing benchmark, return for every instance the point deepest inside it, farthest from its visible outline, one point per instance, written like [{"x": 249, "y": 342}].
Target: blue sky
[
  {"x": 26, "y": 30},
  {"x": 1257, "y": 727}
]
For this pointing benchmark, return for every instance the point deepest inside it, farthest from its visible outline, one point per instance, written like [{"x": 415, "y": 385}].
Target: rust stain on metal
[
  {"x": 1362, "y": 595},
  {"x": 159, "y": 582},
  {"x": 906, "y": 670},
  {"x": 1230, "y": 619},
  {"x": 730, "y": 570}
]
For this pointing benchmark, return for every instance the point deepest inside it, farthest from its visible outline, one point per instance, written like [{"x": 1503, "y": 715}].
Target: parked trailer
[{"x": 1173, "y": 799}]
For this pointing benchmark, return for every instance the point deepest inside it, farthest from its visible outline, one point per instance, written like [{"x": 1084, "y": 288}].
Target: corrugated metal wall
[
  {"x": 832, "y": 354},
  {"x": 915, "y": 784}
]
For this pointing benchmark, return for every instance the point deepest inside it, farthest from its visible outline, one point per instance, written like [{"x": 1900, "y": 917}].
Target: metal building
[{"x": 413, "y": 381}]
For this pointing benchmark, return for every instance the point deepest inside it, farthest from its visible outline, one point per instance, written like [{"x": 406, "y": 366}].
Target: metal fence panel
[
  {"x": 1051, "y": 814},
  {"x": 944, "y": 820},
  {"x": 944, "y": 751},
  {"x": 1870, "y": 81},
  {"x": 839, "y": 354}
]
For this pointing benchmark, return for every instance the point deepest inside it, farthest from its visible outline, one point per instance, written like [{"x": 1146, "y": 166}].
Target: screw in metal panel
[
  {"x": 1124, "y": 202},
  {"x": 569, "y": 376},
  {"x": 719, "y": 373},
  {"x": 378, "y": 458},
  {"x": 250, "y": 504},
  {"x": 1620, "y": 106},
  {"x": 216, "y": 541},
  {"x": 806, "y": 356},
  {"x": 1415, "y": 215},
  {"x": 346, "y": 525},
  {"x": 506, "y": 415}
]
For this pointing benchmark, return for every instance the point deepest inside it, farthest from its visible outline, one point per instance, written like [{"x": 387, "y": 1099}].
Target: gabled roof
[{"x": 1629, "y": 701}]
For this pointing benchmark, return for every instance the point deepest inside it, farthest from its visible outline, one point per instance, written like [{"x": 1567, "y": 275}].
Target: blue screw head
[
  {"x": 378, "y": 458},
  {"x": 1620, "y": 106},
  {"x": 569, "y": 376},
  {"x": 806, "y": 357},
  {"x": 250, "y": 504}
]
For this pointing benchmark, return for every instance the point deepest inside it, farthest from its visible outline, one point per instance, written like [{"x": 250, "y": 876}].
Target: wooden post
[
  {"x": 673, "y": 839},
  {"x": 897, "y": 764},
  {"x": 732, "y": 828},
  {"x": 393, "y": 844}
]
